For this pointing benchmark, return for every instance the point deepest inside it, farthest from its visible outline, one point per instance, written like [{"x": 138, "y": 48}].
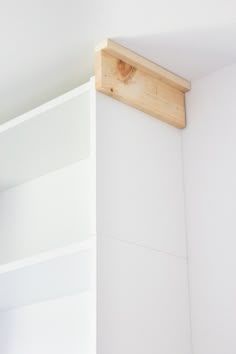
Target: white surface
[
  {"x": 47, "y": 47},
  {"x": 49, "y": 212},
  {"x": 139, "y": 178},
  {"x": 191, "y": 52},
  {"x": 51, "y": 137},
  {"x": 50, "y": 275},
  {"x": 142, "y": 291},
  {"x": 142, "y": 301},
  {"x": 53, "y": 327},
  {"x": 210, "y": 175}
]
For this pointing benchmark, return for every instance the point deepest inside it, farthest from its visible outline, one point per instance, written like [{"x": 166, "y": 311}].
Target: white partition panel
[
  {"x": 142, "y": 290},
  {"x": 139, "y": 178},
  {"x": 142, "y": 300}
]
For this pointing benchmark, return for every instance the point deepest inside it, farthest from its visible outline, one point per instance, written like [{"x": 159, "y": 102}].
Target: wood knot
[{"x": 125, "y": 71}]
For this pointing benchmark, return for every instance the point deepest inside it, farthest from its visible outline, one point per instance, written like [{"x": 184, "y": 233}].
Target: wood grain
[
  {"x": 139, "y": 83},
  {"x": 147, "y": 66}
]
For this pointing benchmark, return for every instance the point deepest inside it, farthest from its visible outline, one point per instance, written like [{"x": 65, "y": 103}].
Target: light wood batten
[{"x": 140, "y": 83}]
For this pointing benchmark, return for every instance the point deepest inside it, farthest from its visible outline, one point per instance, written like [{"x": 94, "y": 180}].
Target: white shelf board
[
  {"x": 61, "y": 272},
  {"x": 45, "y": 139}
]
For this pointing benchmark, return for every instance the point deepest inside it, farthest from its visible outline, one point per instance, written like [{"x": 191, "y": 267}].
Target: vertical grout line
[
  {"x": 140, "y": 245},
  {"x": 186, "y": 241}
]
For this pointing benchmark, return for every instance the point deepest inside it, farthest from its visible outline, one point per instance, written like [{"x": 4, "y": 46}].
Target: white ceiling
[{"x": 47, "y": 45}]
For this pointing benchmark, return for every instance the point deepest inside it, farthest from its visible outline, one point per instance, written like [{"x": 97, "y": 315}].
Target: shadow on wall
[{"x": 191, "y": 53}]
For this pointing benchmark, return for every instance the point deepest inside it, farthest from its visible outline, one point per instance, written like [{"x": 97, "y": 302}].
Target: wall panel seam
[{"x": 166, "y": 253}]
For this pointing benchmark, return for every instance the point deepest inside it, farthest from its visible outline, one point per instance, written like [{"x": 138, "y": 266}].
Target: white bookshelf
[
  {"x": 47, "y": 179},
  {"x": 47, "y": 227}
]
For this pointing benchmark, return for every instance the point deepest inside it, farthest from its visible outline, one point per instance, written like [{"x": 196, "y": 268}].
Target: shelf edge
[
  {"x": 44, "y": 107},
  {"x": 41, "y": 257}
]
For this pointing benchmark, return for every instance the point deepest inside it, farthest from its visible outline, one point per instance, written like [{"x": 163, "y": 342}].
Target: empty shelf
[
  {"x": 52, "y": 274},
  {"x": 45, "y": 139}
]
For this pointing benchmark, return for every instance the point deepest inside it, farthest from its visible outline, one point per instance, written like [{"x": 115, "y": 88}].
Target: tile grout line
[{"x": 145, "y": 247}]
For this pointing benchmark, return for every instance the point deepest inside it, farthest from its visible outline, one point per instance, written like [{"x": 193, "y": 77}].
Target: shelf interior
[
  {"x": 47, "y": 202},
  {"x": 61, "y": 272},
  {"x": 46, "y": 139}
]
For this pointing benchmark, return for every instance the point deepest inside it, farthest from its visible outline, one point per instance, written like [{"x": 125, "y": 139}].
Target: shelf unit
[
  {"x": 47, "y": 180},
  {"x": 47, "y": 222}
]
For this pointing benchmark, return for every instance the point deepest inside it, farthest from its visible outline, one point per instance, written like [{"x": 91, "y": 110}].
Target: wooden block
[{"x": 140, "y": 83}]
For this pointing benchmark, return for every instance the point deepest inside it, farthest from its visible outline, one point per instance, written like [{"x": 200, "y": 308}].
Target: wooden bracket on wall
[{"x": 140, "y": 83}]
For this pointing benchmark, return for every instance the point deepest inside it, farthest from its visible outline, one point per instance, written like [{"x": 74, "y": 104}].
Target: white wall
[
  {"x": 142, "y": 294},
  {"x": 58, "y": 326},
  {"x": 210, "y": 180}
]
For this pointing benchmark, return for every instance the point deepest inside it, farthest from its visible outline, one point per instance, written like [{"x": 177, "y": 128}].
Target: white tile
[
  {"x": 139, "y": 178},
  {"x": 142, "y": 300}
]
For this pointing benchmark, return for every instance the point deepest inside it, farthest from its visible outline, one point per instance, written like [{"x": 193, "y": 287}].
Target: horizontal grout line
[{"x": 145, "y": 246}]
